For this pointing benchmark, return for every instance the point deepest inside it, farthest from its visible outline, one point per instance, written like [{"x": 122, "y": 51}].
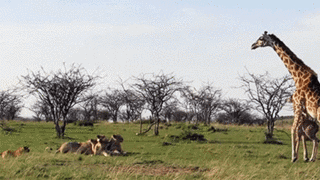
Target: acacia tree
[
  {"x": 210, "y": 101},
  {"x": 41, "y": 111},
  {"x": 191, "y": 104},
  {"x": 157, "y": 90},
  {"x": 89, "y": 107},
  {"x": 234, "y": 111},
  {"x": 112, "y": 101},
  {"x": 268, "y": 94},
  {"x": 10, "y": 104},
  {"x": 169, "y": 109},
  {"x": 203, "y": 103},
  {"x": 60, "y": 91},
  {"x": 133, "y": 103}
]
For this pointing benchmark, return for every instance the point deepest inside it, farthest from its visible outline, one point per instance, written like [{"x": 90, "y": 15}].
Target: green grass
[{"x": 235, "y": 152}]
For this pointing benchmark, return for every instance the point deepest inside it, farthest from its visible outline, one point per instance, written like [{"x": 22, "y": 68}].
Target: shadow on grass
[
  {"x": 66, "y": 137},
  {"x": 284, "y": 132},
  {"x": 131, "y": 153},
  {"x": 149, "y": 162},
  {"x": 238, "y": 142}
]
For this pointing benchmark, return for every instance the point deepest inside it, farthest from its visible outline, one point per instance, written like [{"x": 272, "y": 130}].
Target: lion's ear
[
  {"x": 94, "y": 141},
  {"x": 101, "y": 136}
]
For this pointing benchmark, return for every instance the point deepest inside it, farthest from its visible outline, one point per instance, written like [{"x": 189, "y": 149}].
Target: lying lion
[
  {"x": 87, "y": 147},
  {"x": 79, "y": 148},
  {"x": 109, "y": 147},
  {"x": 15, "y": 153}
]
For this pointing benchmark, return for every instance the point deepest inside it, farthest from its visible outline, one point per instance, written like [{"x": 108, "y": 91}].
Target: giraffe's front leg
[
  {"x": 294, "y": 131},
  {"x": 294, "y": 143}
]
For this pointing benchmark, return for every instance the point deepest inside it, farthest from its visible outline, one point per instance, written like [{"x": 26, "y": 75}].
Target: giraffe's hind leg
[
  {"x": 315, "y": 150},
  {"x": 305, "y": 150},
  {"x": 315, "y": 142}
]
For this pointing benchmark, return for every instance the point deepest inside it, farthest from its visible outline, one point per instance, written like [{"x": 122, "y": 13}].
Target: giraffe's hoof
[
  {"x": 306, "y": 159},
  {"x": 312, "y": 160},
  {"x": 294, "y": 160}
]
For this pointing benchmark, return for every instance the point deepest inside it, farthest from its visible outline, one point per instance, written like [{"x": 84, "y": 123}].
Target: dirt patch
[
  {"x": 194, "y": 137},
  {"x": 156, "y": 170},
  {"x": 213, "y": 129},
  {"x": 186, "y": 135}
]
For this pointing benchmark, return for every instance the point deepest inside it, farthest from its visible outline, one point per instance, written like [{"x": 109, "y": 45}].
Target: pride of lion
[{"x": 99, "y": 146}]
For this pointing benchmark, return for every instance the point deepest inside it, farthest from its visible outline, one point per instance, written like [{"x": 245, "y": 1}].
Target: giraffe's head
[{"x": 263, "y": 41}]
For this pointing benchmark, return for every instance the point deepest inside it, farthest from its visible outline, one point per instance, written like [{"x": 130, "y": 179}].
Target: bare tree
[
  {"x": 59, "y": 90},
  {"x": 112, "y": 101},
  {"x": 203, "y": 103},
  {"x": 179, "y": 116},
  {"x": 134, "y": 105},
  {"x": 103, "y": 115},
  {"x": 268, "y": 94},
  {"x": 210, "y": 101},
  {"x": 41, "y": 111},
  {"x": 75, "y": 114},
  {"x": 191, "y": 105},
  {"x": 89, "y": 107},
  {"x": 157, "y": 90},
  {"x": 235, "y": 112},
  {"x": 169, "y": 109},
  {"x": 10, "y": 105}
]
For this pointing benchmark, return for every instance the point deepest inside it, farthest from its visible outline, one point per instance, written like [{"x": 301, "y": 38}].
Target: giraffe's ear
[{"x": 266, "y": 32}]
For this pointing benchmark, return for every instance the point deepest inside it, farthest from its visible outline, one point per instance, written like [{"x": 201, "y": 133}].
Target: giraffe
[{"x": 307, "y": 86}]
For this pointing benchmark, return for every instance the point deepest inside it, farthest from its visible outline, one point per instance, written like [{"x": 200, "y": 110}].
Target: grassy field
[{"x": 231, "y": 152}]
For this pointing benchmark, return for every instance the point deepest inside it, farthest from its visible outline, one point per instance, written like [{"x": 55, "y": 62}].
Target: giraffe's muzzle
[{"x": 254, "y": 46}]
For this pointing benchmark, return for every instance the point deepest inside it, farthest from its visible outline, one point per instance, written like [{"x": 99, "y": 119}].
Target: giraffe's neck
[{"x": 296, "y": 67}]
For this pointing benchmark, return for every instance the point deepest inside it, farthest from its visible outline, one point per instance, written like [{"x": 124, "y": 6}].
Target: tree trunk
[
  {"x": 270, "y": 125},
  {"x": 140, "y": 125},
  {"x": 63, "y": 128},
  {"x": 115, "y": 118},
  {"x": 156, "y": 127},
  {"x": 58, "y": 129}
]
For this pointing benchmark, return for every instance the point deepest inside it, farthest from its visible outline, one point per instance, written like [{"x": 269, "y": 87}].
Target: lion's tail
[{"x": 48, "y": 149}]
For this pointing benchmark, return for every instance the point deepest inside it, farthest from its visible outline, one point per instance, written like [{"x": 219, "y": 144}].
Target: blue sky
[{"x": 198, "y": 41}]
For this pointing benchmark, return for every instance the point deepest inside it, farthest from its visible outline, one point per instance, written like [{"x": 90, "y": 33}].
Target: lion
[
  {"x": 109, "y": 147},
  {"x": 79, "y": 148},
  {"x": 102, "y": 142},
  {"x": 68, "y": 147},
  {"x": 15, "y": 153},
  {"x": 87, "y": 147}
]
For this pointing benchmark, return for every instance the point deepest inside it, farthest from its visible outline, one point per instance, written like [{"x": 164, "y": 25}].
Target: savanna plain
[{"x": 228, "y": 152}]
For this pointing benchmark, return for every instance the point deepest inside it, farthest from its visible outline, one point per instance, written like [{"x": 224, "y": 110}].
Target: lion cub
[{"x": 15, "y": 153}]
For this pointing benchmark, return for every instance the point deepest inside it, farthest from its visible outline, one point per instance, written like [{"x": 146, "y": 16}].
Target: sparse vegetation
[{"x": 237, "y": 153}]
